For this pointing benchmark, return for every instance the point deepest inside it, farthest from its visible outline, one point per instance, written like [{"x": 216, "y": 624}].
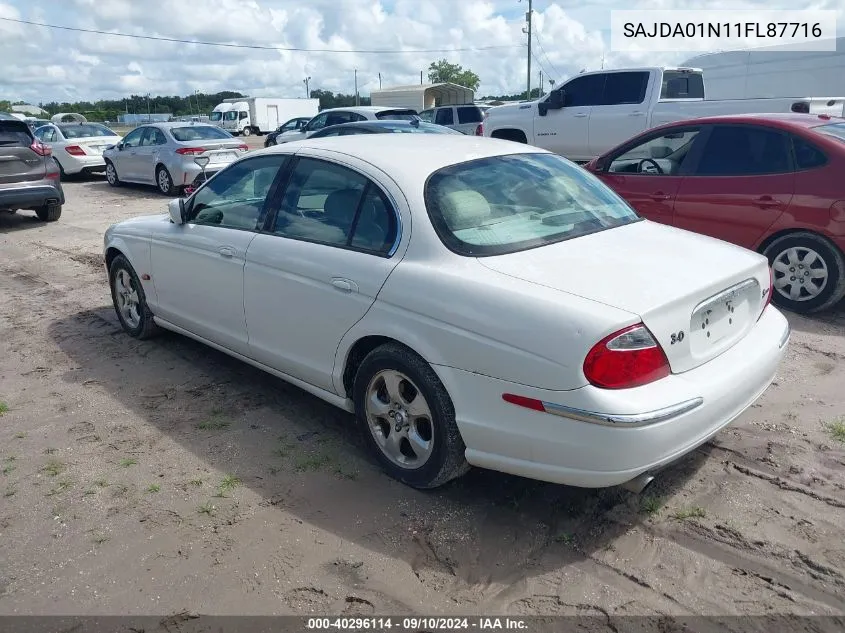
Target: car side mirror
[
  {"x": 119, "y": 146},
  {"x": 600, "y": 164},
  {"x": 556, "y": 100},
  {"x": 176, "y": 208}
]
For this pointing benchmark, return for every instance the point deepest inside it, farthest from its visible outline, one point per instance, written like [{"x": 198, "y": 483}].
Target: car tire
[
  {"x": 164, "y": 181},
  {"x": 824, "y": 284},
  {"x": 49, "y": 212},
  {"x": 430, "y": 422},
  {"x": 123, "y": 281},
  {"x": 246, "y": 131},
  {"x": 111, "y": 174}
]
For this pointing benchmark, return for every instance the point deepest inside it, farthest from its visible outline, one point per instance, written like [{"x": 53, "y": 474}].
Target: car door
[
  {"x": 566, "y": 131},
  {"x": 198, "y": 266},
  {"x": 468, "y": 119},
  {"x": 125, "y": 158},
  {"x": 146, "y": 154},
  {"x": 648, "y": 171},
  {"x": 741, "y": 182},
  {"x": 620, "y": 114},
  {"x": 444, "y": 116},
  {"x": 319, "y": 266}
]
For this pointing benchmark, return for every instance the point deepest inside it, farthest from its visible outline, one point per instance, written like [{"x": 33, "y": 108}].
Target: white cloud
[{"x": 56, "y": 64}]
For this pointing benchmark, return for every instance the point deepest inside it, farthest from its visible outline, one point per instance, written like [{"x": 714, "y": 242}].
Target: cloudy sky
[{"x": 42, "y": 64}]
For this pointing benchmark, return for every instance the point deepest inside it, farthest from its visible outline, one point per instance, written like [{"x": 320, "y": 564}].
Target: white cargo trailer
[{"x": 260, "y": 115}]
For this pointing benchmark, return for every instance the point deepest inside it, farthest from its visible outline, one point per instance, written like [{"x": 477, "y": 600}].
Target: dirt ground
[{"x": 161, "y": 476}]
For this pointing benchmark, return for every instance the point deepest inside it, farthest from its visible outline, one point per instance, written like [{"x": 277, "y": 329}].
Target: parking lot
[{"x": 134, "y": 472}]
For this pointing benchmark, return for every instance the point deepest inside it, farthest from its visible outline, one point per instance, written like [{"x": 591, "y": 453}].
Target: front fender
[{"x": 136, "y": 248}]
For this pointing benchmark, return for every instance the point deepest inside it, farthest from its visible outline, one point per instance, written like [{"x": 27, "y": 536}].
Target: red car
[{"x": 774, "y": 183}]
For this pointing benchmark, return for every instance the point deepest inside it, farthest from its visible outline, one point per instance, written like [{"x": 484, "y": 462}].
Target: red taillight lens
[
  {"x": 39, "y": 148},
  {"x": 190, "y": 151},
  {"x": 479, "y": 131},
  {"x": 627, "y": 358},
  {"x": 75, "y": 150},
  {"x": 243, "y": 147}
]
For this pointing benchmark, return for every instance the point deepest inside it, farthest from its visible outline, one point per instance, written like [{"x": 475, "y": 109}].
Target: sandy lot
[{"x": 158, "y": 477}]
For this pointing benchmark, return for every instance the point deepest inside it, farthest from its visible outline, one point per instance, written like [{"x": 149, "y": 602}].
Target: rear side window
[
  {"x": 680, "y": 85},
  {"x": 469, "y": 114},
  {"x": 744, "y": 151},
  {"x": 807, "y": 156},
  {"x": 624, "y": 88},
  {"x": 199, "y": 133},
  {"x": 398, "y": 115},
  {"x": 444, "y": 117},
  {"x": 15, "y": 133}
]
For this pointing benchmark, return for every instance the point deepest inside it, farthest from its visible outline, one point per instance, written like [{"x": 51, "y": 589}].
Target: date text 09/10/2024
[{"x": 416, "y": 624}]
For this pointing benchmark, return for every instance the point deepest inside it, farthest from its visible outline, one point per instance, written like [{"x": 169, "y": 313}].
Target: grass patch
[
  {"x": 99, "y": 539},
  {"x": 20, "y": 436},
  {"x": 651, "y": 504},
  {"x": 217, "y": 421},
  {"x": 690, "y": 513},
  {"x": 4, "y": 408},
  {"x": 196, "y": 482},
  {"x": 89, "y": 492},
  {"x": 312, "y": 462},
  {"x": 10, "y": 491},
  {"x": 101, "y": 483},
  {"x": 62, "y": 486},
  {"x": 836, "y": 429},
  {"x": 53, "y": 468},
  {"x": 229, "y": 483},
  {"x": 344, "y": 473},
  {"x": 565, "y": 539},
  {"x": 153, "y": 488},
  {"x": 207, "y": 508},
  {"x": 791, "y": 416},
  {"x": 8, "y": 468},
  {"x": 126, "y": 462}
]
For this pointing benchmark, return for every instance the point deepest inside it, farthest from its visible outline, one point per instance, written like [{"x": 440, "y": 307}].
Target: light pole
[
  {"x": 527, "y": 29},
  {"x": 307, "y": 91},
  {"x": 149, "y": 118},
  {"x": 356, "y": 86}
]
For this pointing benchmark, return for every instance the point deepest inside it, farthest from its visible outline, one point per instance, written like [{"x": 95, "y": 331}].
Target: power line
[
  {"x": 258, "y": 46},
  {"x": 543, "y": 50}
]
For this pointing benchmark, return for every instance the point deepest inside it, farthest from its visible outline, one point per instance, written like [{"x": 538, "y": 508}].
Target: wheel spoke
[
  {"x": 780, "y": 267},
  {"x": 794, "y": 291},
  {"x": 422, "y": 448},
  {"x": 418, "y": 407},
  {"x": 393, "y": 444},
  {"x": 818, "y": 273},
  {"x": 810, "y": 258},
  {"x": 782, "y": 282},
  {"x": 376, "y": 407},
  {"x": 792, "y": 257},
  {"x": 392, "y": 382}
]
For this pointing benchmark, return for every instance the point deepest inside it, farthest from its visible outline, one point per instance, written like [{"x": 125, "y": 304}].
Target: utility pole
[
  {"x": 356, "y": 86},
  {"x": 307, "y": 91},
  {"x": 149, "y": 118},
  {"x": 528, "y": 31},
  {"x": 379, "y": 81},
  {"x": 421, "y": 81},
  {"x": 541, "y": 85}
]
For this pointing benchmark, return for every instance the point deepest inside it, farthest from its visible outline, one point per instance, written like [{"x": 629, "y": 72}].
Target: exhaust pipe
[{"x": 638, "y": 484}]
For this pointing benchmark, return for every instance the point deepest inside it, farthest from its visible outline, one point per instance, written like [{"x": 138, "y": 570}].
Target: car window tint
[
  {"x": 583, "y": 91},
  {"x": 133, "y": 139},
  {"x": 663, "y": 154},
  {"x": 681, "y": 85},
  {"x": 199, "y": 133},
  {"x": 85, "y": 130},
  {"x": 236, "y": 197},
  {"x": 807, "y": 156},
  {"x": 13, "y": 133},
  {"x": 397, "y": 115},
  {"x": 320, "y": 202},
  {"x": 47, "y": 134},
  {"x": 624, "y": 88},
  {"x": 426, "y": 115},
  {"x": 444, "y": 117},
  {"x": 469, "y": 114},
  {"x": 376, "y": 226},
  {"x": 744, "y": 151},
  {"x": 318, "y": 122},
  {"x": 336, "y": 118},
  {"x": 149, "y": 137}
]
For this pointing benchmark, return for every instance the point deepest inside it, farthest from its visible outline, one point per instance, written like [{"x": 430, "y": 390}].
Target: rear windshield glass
[
  {"x": 400, "y": 115},
  {"x": 505, "y": 204},
  {"x": 680, "y": 85},
  {"x": 15, "y": 133},
  {"x": 199, "y": 133},
  {"x": 85, "y": 130},
  {"x": 422, "y": 128},
  {"x": 836, "y": 130}
]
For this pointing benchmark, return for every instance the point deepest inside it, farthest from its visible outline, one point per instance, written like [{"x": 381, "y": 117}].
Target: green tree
[{"x": 443, "y": 71}]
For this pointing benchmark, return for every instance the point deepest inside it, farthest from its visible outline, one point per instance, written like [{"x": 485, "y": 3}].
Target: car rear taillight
[
  {"x": 75, "y": 150},
  {"x": 479, "y": 131},
  {"x": 243, "y": 147},
  {"x": 628, "y": 358},
  {"x": 190, "y": 151},
  {"x": 39, "y": 148}
]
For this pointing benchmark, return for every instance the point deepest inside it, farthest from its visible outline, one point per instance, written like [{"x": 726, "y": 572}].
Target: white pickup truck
[{"x": 596, "y": 111}]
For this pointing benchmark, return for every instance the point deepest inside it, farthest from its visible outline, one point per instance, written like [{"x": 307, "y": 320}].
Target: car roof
[
  {"x": 379, "y": 123},
  {"x": 166, "y": 125},
  {"x": 409, "y": 158},
  {"x": 372, "y": 109},
  {"x": 785, "y": 120}
]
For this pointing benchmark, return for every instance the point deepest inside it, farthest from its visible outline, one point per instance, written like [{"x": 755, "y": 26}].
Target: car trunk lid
[
  {"x": 94, "y": 145},
  {"x": 697, "y": 295},
  {"x": 18, "y": 162}
]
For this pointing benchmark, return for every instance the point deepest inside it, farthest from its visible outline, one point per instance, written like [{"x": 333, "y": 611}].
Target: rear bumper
[
  {"x": 589, "y": 441},
  {"x": 31, "y": 195},
  {"x": 83, "y": 164}
]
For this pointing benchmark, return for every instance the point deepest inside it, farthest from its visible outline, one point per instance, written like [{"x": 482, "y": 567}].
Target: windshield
[
  {"x": 836, "y": 130},
  {"x": 199, "y": 133},
  {"x": 420, "y": 128},
  {"x": 86, "y": 130},
  {"x": 398, "y": 115},
  {"x": 505, "y": 204},
  {"x": 215, "y": 116},
  {"x": 231, "y": 115}
]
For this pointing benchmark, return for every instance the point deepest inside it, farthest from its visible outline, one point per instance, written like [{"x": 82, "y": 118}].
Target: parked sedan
[
  {"x": 78, "y": 147},
  {"x": 771, "y": 182},
  {"x": 473, "y": 301},
  {"x": 352, "y": 114},
  {"x": 383, "y": 127},
  {"x": 165, "y": 155},
  {"x": 294, "y": 125}
]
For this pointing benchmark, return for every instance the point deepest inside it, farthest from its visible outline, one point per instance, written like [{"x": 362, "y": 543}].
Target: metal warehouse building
[{"x": 423, "y": 96}]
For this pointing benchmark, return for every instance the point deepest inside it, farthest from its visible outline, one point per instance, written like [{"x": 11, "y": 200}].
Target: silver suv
[{"x": 463, "y": 118}]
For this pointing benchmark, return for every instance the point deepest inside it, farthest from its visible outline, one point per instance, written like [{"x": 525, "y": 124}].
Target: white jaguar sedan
[{"x": 473, "y": 302}]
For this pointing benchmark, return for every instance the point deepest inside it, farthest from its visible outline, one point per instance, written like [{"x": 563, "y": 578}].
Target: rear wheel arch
[
  {"x": 510, "y": 134},
  {"x": 356, "y": 355}
]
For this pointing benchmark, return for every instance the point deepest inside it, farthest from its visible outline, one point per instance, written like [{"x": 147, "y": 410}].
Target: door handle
[
  {"x": 226, "y": 251},
  {"x": 344, "y": 285},
  {"x": 579, "y": 115},
  {"x": 659, "y": 195},
  {"x": 635, "y": 113},
  {"x": 766, "y": 202}
]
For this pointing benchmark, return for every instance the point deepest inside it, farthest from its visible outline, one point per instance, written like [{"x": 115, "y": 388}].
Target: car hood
[
  {"x": 660, "y": 273},
  {"x": 143, "y": 224}
]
